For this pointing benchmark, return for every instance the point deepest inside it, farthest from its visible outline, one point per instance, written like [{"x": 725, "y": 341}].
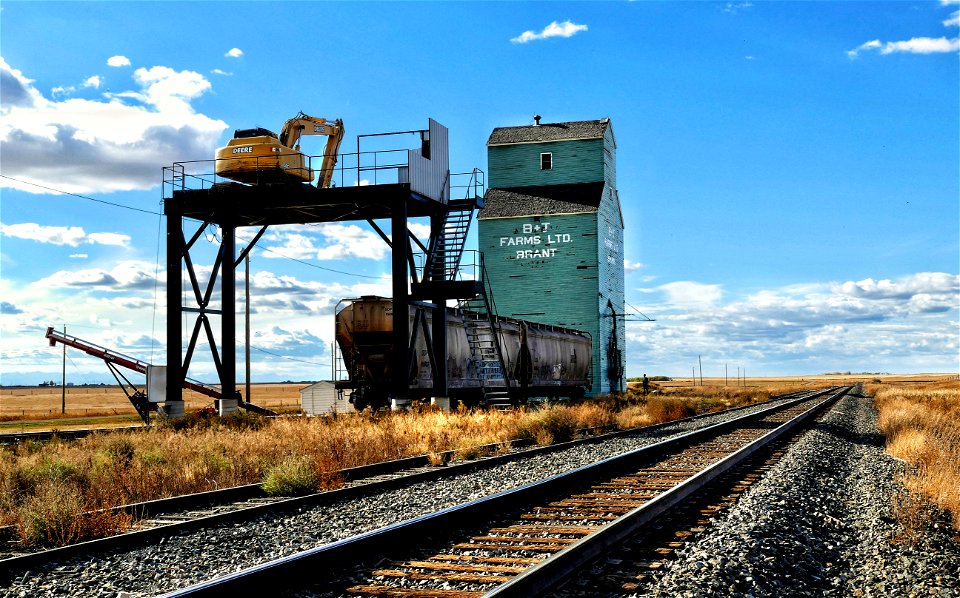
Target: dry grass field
[{"x": 18, "y": 403}]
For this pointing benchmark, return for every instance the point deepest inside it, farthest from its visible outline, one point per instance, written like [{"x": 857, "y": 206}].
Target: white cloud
[
  {"x": 78, "y": 256},
  {"x": 221, "y": 72},
  {"x": 294, "y": 246},
  {"x": 349, "y": 240},
  {"x": 915, "y": 45},
  {"x": 234, "y": 53},
  {"x": 565, "y": 29},
  {"x": 123, "y": 277},
  {"x": 117, "y": 61},
  {"x": 904, "y": 324},
  {"x": 326, "y": 241},
  {"x": 870, "y": 45},
  {"x": 109, "y": 239},
  {"x": 692, "y": 294},
  {"x": 420, "y": 231},
  {"x": 734, "y": 7},
  {"x": 939, "y": 283},
  {"x": 102, "y": 146},
  {"x": 631, "y": 266},
  {"x": 922, "y": 45},
  {"x": 61, "y": 235},
  {"x": 93, "y": 81}
]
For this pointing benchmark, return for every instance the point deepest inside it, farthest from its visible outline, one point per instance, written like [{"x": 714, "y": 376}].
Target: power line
[
  {"x": 312, "y": 265},
  {"x": 326, "y": 365},
  {"x": 118, "y": 205},
  {"x": 648, "y": 318},
  {"x": 109, "y": 203}
]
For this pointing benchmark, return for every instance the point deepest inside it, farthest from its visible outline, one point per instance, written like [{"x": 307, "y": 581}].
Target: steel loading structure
[{"x": 405, "y": 184}]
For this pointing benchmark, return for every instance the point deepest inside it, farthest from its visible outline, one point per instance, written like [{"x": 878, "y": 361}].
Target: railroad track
[
  {"x": 195, "y": 513},
  {"x": 9, "y": 438},
  {"x": 524, "y": 541},
  {"x": 632, "y": 567}
]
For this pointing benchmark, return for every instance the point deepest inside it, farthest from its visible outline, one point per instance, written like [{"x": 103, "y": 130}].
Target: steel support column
[
  {"x": 401, "y": 301},
  {"x": 228, "y": 317},
  {"x": 439, "y": 326},
  {"x": 175, "y": 248}
]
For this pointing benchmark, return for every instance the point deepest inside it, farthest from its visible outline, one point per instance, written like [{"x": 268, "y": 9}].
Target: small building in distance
[
  {"x": 321, "y": 398},
  {"x": 551, "y": 233}
]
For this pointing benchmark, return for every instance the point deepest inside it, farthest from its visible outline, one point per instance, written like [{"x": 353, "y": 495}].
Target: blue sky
[{"x": 788, "y": 171}]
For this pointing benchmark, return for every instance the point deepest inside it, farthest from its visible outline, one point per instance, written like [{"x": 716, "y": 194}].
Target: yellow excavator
[{"x": 258, "y": 156}]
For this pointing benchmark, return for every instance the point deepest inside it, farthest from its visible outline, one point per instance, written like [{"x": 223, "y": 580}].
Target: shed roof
[
  {"x": 580, "y": 129},
  {"x": 315, "y": 385},
  {"x": 536, "y": 201}
]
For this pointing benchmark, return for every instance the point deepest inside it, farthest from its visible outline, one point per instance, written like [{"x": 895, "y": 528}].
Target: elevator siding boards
[{"x": 552, "y": 234}]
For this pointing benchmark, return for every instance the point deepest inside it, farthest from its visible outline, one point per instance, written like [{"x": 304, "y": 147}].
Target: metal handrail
[{"x": 201, "y": 174}]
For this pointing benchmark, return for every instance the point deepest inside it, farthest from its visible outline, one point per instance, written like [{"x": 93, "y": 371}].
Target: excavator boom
[{"x": 256, "y": 156}]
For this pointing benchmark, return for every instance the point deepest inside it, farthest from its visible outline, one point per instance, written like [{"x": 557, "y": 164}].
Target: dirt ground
[{"x": 36, "y": 402}]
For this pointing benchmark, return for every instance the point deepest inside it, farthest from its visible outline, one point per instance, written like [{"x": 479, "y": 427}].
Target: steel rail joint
[
  {"x": 550, "y": 573},
  {"x": 372, "y": 544}
]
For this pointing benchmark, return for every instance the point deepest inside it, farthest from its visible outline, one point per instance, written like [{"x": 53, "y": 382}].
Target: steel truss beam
[{"x": 213, "y": 206}]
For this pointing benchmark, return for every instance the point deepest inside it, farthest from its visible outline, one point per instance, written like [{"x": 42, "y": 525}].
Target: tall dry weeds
[{"x": 922, "y": 427}]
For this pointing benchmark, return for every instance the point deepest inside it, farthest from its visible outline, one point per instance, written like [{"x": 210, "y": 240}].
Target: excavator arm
[
  {"x": 303, "y": 124},
  {"x": 257, "y": 156}
]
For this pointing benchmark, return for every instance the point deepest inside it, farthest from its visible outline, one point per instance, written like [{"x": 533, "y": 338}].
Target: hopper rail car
[{"x": 491, "y": 360}]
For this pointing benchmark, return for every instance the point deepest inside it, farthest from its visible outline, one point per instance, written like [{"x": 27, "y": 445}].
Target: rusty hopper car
[{"x": 540, "y": 360}]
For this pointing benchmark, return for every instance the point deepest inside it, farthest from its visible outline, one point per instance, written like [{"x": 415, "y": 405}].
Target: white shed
[{"x": 321, "y": 398}]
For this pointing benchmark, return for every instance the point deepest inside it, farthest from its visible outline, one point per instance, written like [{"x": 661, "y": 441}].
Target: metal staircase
[
  {"x": 478, "y": 315},
  {"x": 447, "y": 249},
  {"x": 474, "y": 297}
]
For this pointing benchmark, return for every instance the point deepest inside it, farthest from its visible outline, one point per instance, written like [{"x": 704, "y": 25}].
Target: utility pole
[
  {"x": 724, "y": 374},
  {"x": 701, "y": 370},
  {"x": 63, "y": 379}
]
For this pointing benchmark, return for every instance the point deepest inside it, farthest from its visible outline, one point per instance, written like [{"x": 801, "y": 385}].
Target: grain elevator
[{"x": 551, "y": 233}]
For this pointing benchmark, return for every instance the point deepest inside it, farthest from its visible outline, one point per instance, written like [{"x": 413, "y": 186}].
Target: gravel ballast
[{"x": 820, "y": 523}]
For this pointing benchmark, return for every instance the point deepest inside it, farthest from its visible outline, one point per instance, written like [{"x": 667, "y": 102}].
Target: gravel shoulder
[{"x": 821, "y": 523}]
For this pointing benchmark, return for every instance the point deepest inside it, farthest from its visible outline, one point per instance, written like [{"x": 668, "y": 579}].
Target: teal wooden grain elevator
[{"x": 551, "y": 233}]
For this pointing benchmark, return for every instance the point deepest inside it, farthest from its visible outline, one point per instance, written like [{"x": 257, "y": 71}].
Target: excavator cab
[{"x": 259, "y": 156}]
